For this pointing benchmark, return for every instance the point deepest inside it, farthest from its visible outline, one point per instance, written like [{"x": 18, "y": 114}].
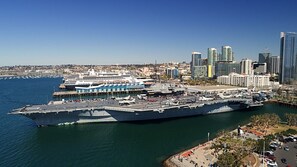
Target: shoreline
[
  {"x": 201, "y": 155},
  {"x": 281, "y": 103}
]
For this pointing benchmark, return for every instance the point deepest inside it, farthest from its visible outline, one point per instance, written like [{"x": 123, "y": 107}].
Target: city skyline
[{"x": 138, "y": 32}]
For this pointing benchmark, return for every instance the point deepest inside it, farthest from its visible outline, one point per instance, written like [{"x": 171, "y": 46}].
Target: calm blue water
[{"x": 103, "y": 144}]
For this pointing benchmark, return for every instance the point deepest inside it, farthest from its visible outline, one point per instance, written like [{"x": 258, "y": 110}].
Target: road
[{"x": 291, "y": 155}]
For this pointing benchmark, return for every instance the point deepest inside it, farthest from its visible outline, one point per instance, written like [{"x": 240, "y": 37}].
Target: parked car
[
  {"x": 290, "y": 139},
  {"x": 284, "y": 160},
  {"x": 271, "y": 163},
  {"x": 271, "y": 157},
  {"x": 268, "y": 153},
  {"x": 273, "y": 146},
  {"x": 293, "y": 138}
]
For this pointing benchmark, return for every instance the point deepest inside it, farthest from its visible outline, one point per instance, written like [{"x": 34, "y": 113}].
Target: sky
[{"x": 102, "y": 32}]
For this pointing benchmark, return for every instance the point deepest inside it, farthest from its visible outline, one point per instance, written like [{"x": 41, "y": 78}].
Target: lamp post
[{"x": 263, "y": 152}]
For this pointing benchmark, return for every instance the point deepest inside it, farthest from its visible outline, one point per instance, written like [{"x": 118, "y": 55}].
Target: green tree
[
  {"x": 228, "y": 159},
  {"x": 291, "y": 119},
  {"x": 260, "y": 145},
  {"x": 265, "y": 120}
]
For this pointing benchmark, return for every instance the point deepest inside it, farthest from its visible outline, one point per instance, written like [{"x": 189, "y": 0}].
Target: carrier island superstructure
[{"x": 137, "y": 108}]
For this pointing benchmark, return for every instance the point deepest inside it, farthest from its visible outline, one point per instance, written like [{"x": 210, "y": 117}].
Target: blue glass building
[
  {"x": 288, "y": 58},
  {"x": 196, "y": 59},
  {"x": 225, "y": 68}
]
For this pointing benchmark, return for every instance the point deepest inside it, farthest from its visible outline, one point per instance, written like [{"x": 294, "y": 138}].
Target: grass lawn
[{"x": 280, "y": 128}]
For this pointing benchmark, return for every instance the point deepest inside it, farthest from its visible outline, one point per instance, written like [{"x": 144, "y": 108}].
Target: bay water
[{"x": 145, "y": 143}]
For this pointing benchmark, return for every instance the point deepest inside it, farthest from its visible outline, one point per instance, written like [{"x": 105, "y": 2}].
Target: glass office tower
[
  {"x": 212, "y": 56},
  {"x": 196, "y": 59},
  {"x": 288, "y": 58},
  {"x": 227, "y": 54}
]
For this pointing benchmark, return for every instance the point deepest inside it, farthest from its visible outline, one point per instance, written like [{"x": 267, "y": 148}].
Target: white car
[
  {"x": 271, "y": 163},
  {"x": 269, "y": 153}
]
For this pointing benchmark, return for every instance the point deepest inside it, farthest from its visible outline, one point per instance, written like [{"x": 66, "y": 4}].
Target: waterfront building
[
  {"x": 274, "y": 64},
  {"x": 212, "y": 56},
  {"x": 199, "y": 72},
  {"x": 227, "y": 54},
  {"x": 246, "y": 67},
  {"x": 260, "y": 68},
  {"x": 288, "y": 58},
  {"x": 172, "y": 72},
  {"x": 224, "y": 68},
  {"x": 245, "y": 80}
]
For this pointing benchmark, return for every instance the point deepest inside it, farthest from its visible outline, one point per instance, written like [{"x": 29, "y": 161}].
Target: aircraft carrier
[{"x": 131, "y": 109}]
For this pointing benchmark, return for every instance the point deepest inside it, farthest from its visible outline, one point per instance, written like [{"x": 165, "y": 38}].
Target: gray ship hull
[{"x": 120, "y": 114}]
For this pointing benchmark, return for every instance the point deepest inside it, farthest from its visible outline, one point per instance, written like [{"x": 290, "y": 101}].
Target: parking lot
[{"x": 290, "y": 155}]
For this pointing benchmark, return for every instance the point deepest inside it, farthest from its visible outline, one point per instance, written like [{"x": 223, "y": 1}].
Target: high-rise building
[
  {"x": 219, "y": 57},
  {"x": 199, "y": 72},
  {"x": 246, "y": 67},
  {"x": 264, "y": 57},
  {"x": 203, "y": 62},
  {"x": 196, "y": 59},
  {"x": 198, "y": 68},
  {"x": 172, "y": 72},
  {"x": 227, "y": 54},
  {"x": 212, "y": 56},
  {"x": 288, "y": 58},
  {"x": 274, "y": 64},
  {"x": 225, "y": 68}
]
